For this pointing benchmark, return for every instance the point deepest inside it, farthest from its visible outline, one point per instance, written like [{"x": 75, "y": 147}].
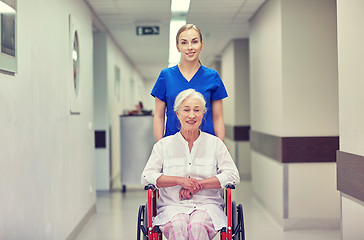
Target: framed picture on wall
[
  {"x": 74, "y": 60},
  {"x": 8, "y": 43}
]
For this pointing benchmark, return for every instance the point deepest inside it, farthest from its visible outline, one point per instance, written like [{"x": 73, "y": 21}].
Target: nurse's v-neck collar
[{"x": 194, "y": 76}]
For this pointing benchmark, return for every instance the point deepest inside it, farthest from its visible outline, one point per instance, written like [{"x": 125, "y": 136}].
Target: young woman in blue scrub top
[{"x": 189, "y": 73}]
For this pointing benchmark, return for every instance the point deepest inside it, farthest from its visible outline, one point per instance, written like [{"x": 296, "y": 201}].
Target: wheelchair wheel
[
  {"x": 241, "y": 222},
  {"x": 234, "y": 220},
  {"x": 140, "y": 221},
  {"x": 142, "y": 224},
  {"x": 140, "y": 213},
  {"x": 145, "y": 222}
]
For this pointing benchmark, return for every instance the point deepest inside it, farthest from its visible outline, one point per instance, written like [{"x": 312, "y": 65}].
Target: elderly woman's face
[{"x": 190, "y": 114}]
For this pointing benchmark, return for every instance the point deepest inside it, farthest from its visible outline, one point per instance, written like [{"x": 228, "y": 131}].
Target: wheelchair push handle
[
  {"x": 150, "y": 186},
  {"x": 229, "y": 185}
]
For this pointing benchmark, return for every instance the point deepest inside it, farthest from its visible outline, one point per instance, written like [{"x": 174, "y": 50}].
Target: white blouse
[{"x": 209, "y": 157}]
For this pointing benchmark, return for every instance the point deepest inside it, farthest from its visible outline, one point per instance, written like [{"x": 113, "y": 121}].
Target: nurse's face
[
  {"x": 190, "y": 114},
  {"x": 189, "y": 45}
]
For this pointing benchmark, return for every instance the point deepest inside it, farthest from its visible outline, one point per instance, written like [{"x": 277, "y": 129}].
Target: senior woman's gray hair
[{"x": 189, "y": 93}]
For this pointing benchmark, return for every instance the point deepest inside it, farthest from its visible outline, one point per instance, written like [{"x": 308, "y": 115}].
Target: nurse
[{"x": 189, "y": 73}]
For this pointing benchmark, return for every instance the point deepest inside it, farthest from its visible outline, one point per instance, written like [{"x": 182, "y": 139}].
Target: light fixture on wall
[
  {"x": 179, "y": 10},
  {"x": 174, "y": 55},
  {"x": 6, "y": 9}
]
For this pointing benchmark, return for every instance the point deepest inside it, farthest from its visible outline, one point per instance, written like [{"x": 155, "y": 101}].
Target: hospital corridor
[{"x": 100, "y": 98}]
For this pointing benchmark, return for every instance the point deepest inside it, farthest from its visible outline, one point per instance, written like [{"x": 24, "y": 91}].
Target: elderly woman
[{"x": 190, "y": 168}]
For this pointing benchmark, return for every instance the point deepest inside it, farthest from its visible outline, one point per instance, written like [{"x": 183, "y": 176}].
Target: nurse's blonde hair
[{"x": 188, "y": 27}]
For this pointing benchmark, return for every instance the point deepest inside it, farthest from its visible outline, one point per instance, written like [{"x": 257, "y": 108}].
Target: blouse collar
[{"x": 195, "y": 142}]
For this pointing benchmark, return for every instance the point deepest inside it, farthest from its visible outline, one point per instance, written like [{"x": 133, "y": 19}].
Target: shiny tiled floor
[{"x": 116, "y": 218}]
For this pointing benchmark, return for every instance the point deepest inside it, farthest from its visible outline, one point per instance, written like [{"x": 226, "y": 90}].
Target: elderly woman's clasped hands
[{"x": 190, "y": 186}]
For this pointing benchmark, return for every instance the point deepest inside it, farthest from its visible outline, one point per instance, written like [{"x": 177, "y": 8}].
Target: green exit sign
[{"x": 147, "y": 30}]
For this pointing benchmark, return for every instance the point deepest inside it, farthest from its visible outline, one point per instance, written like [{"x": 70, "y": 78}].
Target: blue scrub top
[{"x": 171, "y": 82}]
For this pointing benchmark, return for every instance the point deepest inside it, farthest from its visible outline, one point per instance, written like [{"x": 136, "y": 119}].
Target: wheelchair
[{"x": 146, "y": 231}]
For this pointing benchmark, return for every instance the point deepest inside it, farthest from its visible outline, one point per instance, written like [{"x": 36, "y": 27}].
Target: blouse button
[{"x": 189, "y": 163}]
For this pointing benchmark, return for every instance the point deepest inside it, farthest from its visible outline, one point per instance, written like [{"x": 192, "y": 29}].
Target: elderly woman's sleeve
[
  {"x": 227, "y": 173},
  {"x": 154, "y": 166}
]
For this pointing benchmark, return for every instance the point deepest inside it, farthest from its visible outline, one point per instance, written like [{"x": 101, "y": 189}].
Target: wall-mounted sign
[{"x": 147, "y": 30}]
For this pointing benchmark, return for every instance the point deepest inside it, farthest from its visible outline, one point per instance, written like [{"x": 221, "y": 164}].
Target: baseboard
[{"x": 74, "y": 234}]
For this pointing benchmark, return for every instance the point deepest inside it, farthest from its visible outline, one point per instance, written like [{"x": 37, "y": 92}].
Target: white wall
[
  {"x": 351, "y": 75},
  {"x": 46, "y": 154},
  {"x": 352, "y": 218},
  {"x": 294, "y": 92},
  {"x": 351, "y": 85},
  {"x": 265, "y": 69},
  {"x": 309, "y": 68},
  {"x": 235, "y": 74},
  {"x": 228, "y": 77},
  {"x": 267, "y": 184},
  {"x": 312, "y": 199},
  {"x": 242, "y": 77}
]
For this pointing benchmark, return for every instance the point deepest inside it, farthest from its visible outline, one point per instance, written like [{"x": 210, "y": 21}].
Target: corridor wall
[
  {"x": 235, "y": 75},
  {"x": 101, "y": 112},
  {"x": 120, "y": 87},
  {"x": 46, "y": 154},
  {"x": 294, "y": 112},
  {"x": 350, "y": 158}
]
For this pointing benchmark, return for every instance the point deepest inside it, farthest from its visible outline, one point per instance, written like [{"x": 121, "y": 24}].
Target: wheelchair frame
[{"x": 235, "y": 219}]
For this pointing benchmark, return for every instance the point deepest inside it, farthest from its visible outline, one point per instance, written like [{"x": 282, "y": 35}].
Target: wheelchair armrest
[
  {"x": 150, "y": 186},
  {"x": 231, "y": 186}
]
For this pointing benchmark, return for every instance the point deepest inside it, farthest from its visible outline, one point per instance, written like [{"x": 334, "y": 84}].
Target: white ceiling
[{"x": 219, "y": 20}]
